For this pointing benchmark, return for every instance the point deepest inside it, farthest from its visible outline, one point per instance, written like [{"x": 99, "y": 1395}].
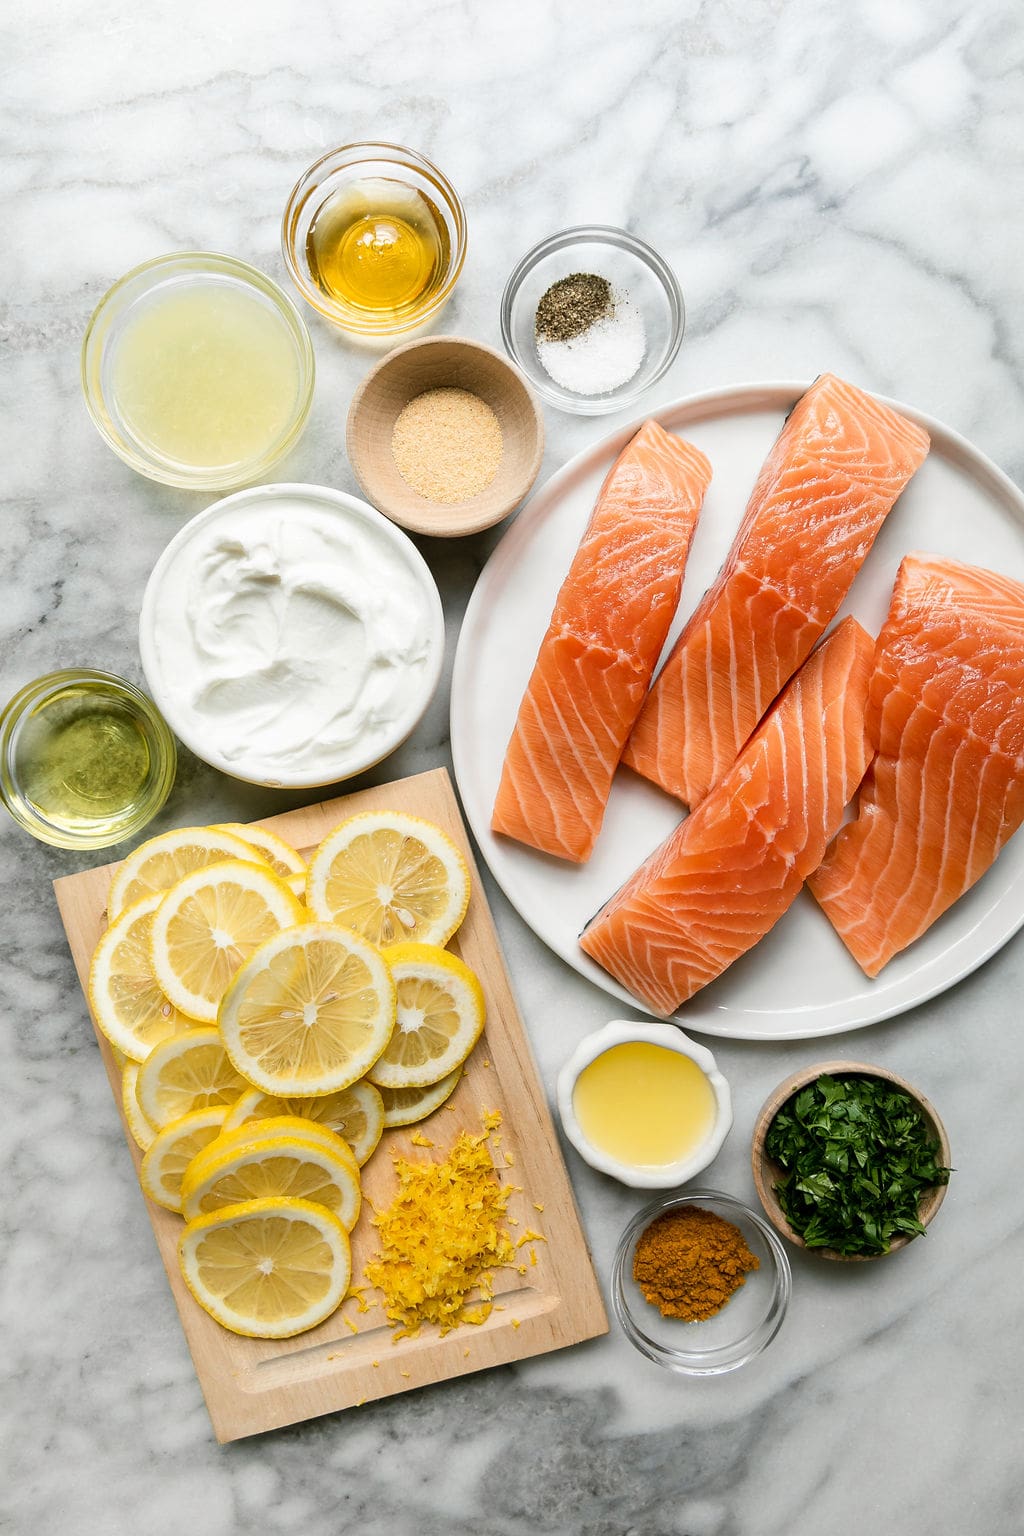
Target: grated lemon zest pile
[{"x": 440, "y": 1238}]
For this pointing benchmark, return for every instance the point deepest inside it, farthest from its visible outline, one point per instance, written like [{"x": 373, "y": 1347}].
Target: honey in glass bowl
[{"x": 379, "y": 246}]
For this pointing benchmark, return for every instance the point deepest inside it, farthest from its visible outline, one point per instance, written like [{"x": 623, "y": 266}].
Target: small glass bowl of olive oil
[
  {"x": 374, "y": 237},
  {"x": 85, "y": 759}
]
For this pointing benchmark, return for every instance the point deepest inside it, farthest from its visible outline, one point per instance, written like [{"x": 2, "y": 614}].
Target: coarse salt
[{"x": 604, "y": 357}]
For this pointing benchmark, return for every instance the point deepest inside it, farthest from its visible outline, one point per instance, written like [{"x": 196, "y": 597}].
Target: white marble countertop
[{"x": 838, "y": 185}]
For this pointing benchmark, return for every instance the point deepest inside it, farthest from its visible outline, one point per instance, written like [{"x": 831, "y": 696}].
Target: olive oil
[
  {"x": 205, "y": 375},
  {"x": 379, "y": 247},
  {"x": 644, "y": 1105},
  {"x": 85, "y": 759}
]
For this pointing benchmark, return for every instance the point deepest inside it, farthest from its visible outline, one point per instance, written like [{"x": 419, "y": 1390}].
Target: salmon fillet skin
[
  {"x": 825, "y": 489},
  {"x": 730, "y": 870},
  {"x": 610, "y": 621},
  {"x": 946, "y": 788}
]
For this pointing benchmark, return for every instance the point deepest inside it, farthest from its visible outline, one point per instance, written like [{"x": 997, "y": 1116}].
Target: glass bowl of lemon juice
[{"x": 198, "y": 371}]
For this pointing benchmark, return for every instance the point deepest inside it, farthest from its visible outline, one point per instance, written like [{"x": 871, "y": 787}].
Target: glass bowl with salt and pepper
[{"x": 593, "y": 316}]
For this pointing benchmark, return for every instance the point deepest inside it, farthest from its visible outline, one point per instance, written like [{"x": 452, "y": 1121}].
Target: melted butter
[{"x": 644, "y": 1105}]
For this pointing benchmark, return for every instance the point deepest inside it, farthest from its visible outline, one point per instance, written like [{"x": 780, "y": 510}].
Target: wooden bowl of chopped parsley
[{"x": 849, "y": 1160}]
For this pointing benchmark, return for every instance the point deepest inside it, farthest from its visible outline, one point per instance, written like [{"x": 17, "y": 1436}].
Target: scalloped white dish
[{"x": 799, "y": 982}]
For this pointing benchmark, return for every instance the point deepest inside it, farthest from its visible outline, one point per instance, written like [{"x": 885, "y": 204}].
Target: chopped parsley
[{"x": 857, "y": 1155}]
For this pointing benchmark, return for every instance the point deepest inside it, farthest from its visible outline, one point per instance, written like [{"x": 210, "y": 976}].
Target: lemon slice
[
  {"x": 440, "y": 1016},
  {"x": 256, "y": 1132},
  {"x": 209, "y": 923},
  {"x": 142, "y": 1132},
  {"x": 278, "y": 1165},
  {"x": 164, "y": 860},
  {"x": 390, "y": 877},
  {"x": 281, "y": 856},
  {"x": 297, "y": 884},
  {"x": 187, "y": 1072},
  {"x": 174, "y": 1148},
  {"x": 267, "y": 1268},
  {"x": 404, "y": 1106},
  {"x": 127, "y": 1002},
  {"x": 355, "y": 1113},
  {"x": 309, "y": 1012}
]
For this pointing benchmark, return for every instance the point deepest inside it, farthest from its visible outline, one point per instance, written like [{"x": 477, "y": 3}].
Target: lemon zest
[{"x": 442, "y": 1236}]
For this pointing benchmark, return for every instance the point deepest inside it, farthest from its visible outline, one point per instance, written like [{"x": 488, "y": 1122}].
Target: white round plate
[{"x": 799, "y": 982}]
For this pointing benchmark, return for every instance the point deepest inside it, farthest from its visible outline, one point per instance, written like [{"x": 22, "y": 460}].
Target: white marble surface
[{"x": 838, "y": 184}]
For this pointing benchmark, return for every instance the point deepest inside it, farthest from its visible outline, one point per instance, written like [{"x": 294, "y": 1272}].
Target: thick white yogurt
[{"x": 291, "y": 635}]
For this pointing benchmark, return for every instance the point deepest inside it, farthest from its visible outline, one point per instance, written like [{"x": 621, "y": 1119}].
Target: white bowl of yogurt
[{"x": 291, "y": 635}]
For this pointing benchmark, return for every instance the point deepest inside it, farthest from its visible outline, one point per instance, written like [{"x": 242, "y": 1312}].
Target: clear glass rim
[
  {"x": 126, "y": 448},
  {"x": 725, "y": 1357},
  {"x": 595, "y": 234},
  {"x": 349, "y": 157},
  {"x": 36, "y": 692}
]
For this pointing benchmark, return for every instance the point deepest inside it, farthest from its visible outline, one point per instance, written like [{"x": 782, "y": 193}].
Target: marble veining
[{"x": 838, "y": 185}]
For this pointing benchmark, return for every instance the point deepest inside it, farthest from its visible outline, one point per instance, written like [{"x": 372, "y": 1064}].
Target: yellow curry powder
[
  {"x": 689, "y": 1261},
  {"x": 441, "y": 1238}
]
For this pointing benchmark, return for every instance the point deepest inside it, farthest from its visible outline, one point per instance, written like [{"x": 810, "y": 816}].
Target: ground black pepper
[{"x": 572, "y": 305}]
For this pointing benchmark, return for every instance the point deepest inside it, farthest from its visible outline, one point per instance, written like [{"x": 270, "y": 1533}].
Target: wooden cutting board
[{"x": 551, "y": 1300}]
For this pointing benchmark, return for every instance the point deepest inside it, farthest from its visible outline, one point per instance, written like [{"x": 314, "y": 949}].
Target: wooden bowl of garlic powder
[{"x": 444, "y": 436}]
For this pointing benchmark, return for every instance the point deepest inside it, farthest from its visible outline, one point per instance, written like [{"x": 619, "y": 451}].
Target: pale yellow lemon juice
[
  {"x": 644, "y": 1105},
  {"x": 205, "y": 374}
]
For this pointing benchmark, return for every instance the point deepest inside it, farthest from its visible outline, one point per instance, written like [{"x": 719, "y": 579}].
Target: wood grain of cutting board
[{"x": 251, "y": 1385}]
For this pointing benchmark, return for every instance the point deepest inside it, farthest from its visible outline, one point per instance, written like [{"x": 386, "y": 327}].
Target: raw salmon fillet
[
  {"x": 736, "y": 863},
  {"x": 611, "y": 619},
  {"x": 825, "y": 489},
  {"x": 946, "y": 789}
]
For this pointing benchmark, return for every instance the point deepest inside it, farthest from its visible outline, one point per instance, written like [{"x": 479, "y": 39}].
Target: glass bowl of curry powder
[{"x": 700, "y": 1282}]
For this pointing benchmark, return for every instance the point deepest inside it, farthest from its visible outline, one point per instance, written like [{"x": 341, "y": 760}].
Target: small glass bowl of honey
[{"x": 374, "y": 237}]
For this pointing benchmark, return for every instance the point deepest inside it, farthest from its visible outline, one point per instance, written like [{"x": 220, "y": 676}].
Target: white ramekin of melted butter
[
  {"x": 291, "y": 635},
  {"x": 644, "y": 1103}
]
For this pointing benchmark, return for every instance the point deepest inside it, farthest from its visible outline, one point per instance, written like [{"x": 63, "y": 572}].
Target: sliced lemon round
[
  {"x": 440, "y": 1016},
  {"x": 256, "y": 1132},
  {"x": 164, "y": 860},
  {"x": 297, "y": 884},
  {"x": 187, "y": 1072},
  {"x": 142, "y": 1132},
  {"x": 309, "y": 1012},
  {"x": 278, "y": 1165},
  {"x": 173, "y": 1149},
  {"x": 267, "y": 1269},
  {"x": 404, "y": 1106},
  {"x": 389, "y": 877},
  {"x": 208, "y": 924},
  {"x": 127, "y": 1001},
  {"x": 281, "y": 856},
  {"x": 355, "y": 1113}
]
